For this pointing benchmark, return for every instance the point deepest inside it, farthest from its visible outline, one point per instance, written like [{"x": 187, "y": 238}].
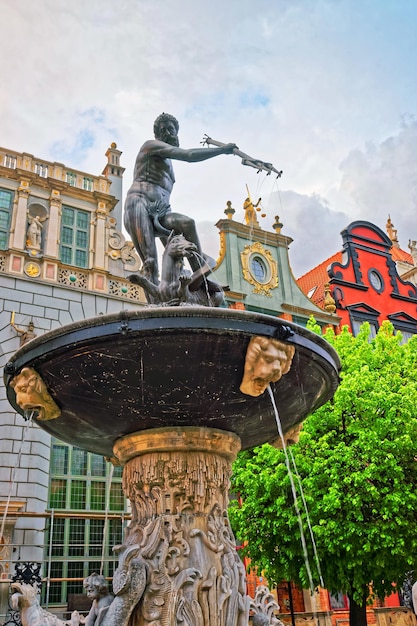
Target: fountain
[
  {"x": 158, "y": 391},
  {"x": 172, "y": 393}
]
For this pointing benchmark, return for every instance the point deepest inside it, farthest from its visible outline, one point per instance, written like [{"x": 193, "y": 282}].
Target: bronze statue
[
  {"x": 266, "y": 361},
  {"x": 173, "y": 290},
  {"x": 148, "y": 211}
]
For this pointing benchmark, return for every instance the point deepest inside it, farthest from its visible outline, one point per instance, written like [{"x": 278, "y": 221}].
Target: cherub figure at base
[{"x": 97, "y": 589}]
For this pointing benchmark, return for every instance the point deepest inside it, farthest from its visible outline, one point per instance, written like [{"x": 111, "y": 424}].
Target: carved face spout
[
  {"x": 266, "y": 361},
  {"x": 32, "y": 395}
]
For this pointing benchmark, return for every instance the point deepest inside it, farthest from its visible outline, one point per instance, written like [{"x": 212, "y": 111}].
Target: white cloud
[{"x": 304, "y": 84}]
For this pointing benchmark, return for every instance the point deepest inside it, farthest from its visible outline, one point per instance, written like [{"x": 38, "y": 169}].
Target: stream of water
[
  {"x": 297, "y": 509},
  {"x": 106, "y": 517},
  {"x": 28, "y": 425}
]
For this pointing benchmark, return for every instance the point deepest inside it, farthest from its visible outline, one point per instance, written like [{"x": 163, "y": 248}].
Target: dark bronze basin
[{"x": 171, "y": 366}]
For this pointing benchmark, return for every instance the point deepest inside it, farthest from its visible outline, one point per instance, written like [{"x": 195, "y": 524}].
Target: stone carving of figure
[
  {"x": 266, "y": 361},
  {"x": 413, "y": 250},
  {"x": 148, "y": 212},
  {"x": 414, "y": 597},
  {"x": 98, "y": 591},
  {"x": 34, "y": 232}
]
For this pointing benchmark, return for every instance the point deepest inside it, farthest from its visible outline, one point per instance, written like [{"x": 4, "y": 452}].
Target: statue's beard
[{"x": 167, "y": 138}]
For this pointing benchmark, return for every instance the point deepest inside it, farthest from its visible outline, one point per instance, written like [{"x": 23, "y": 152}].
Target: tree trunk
[{"x": 357, "y": 612}]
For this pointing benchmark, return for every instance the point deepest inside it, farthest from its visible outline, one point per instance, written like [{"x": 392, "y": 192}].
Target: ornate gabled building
[
  {"x": 255, "y": 266},
  {"x": 371, "y": 279},
  {"x": 63, "y": 258}
]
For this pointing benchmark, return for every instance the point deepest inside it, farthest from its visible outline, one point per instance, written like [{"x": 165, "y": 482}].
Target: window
[
  {"x": 9, "y": 161},
  {"x": 258, "y": 269},
  {"x": 74, "y": 237},
  {"x": 356, "y": 325},
  {"x": 376, "y": 280},
  {"x": 404, "y": 323},
  {"x": 88, "y": 184},
  {"x": 71, "y": 179},
  {"x": 81, "y": 482},
  {"x": 338, "y": 601},
  {"x": 360, "y": 313},
  {"x": 41, "y": 170},
  {"x": 6, "y": 203}
]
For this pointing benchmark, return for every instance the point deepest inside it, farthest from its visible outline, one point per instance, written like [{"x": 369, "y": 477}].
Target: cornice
[
  {"x": 252, "y": 233},
  {"x": 236, "y": 295}
]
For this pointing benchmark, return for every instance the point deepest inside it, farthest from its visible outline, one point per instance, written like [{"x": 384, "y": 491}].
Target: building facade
[
  {"x": 371, "y": 279},
  {"x": 254, "y": 264},
  {"x": 62, "y": 259}
]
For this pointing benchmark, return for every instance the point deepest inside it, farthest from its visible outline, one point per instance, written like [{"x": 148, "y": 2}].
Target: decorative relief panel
[
  {"x": 126, "y": 290},
  {"x": 120, "y": 249},
  {"x": 72, "y": 278}
]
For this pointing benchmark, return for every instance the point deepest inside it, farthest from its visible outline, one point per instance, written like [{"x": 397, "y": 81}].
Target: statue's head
[
  {"x": 95, "y": 586},
  {"x": 266, "y": 361},
  {"x": 166, "y": 129}
]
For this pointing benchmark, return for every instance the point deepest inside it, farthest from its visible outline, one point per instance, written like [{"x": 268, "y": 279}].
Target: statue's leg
[
  {"x": 181, "y": 224},
  {"x": 200, "y": 263},
  {"x": 140, "y": 227}
]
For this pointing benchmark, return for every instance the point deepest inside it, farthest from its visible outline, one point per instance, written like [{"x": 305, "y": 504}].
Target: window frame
[
  {"x": 70, "y": 247},
  {"x": 76, "y": 547},
  {"x": 5, "y": 230}
]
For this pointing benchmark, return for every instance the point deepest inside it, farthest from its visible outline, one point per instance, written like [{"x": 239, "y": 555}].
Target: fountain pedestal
[{"x": 177, "y": 481}]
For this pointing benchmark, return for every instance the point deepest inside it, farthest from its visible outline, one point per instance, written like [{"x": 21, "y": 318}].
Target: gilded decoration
[
  {"x": 247, "y": 256},
  {"x": 32, "y": 269},
  {"x": 222, "y": 251},
  {"x": 32, "y": 395},
  {"x": 120, "y": 249}
]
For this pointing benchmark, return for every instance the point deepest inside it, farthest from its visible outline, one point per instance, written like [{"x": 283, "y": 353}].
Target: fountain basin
[{"x": 119, "y": 374}]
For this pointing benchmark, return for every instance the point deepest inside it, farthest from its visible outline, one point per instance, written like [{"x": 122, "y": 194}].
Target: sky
[{"x": 326, "y": 90}]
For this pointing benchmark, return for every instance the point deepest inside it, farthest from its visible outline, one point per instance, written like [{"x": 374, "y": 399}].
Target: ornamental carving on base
[{"x": 179, "y": 524}]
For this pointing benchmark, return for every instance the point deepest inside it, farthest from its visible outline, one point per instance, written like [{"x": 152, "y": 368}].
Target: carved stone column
[
  {"x": 177, "y": 480},
  {"x": 21, "y": 221},
  {"x": 52, "y": 239}
]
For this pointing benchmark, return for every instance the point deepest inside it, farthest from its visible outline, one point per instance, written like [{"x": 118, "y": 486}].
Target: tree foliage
[{"x": 356, "y": 461}]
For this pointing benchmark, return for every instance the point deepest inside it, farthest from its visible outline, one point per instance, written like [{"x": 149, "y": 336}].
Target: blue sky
[{"x": 324, "y": 89}]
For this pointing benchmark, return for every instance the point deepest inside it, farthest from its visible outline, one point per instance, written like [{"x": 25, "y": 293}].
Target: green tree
[{"x": 356, "y": 461}]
